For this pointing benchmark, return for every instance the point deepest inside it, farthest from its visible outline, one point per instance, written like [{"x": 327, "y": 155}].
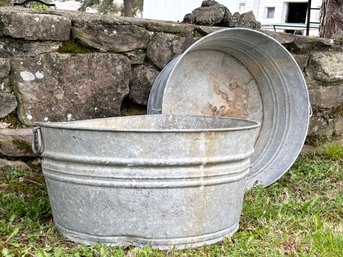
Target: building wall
[
  {"x": 259, "y": 7},
  {"x": 175, "y": 10}
]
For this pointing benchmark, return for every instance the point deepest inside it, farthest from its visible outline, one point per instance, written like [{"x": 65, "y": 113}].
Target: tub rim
[{"x": 64, "y": 125}]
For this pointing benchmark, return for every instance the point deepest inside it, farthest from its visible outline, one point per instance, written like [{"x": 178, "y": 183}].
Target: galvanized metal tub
[
  {"x": 166, "y": 181},
  {"x": 241, "y": 73}
]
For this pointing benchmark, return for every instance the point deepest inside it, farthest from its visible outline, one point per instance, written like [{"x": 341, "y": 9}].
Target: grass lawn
[{"x": 300, "y": 215}]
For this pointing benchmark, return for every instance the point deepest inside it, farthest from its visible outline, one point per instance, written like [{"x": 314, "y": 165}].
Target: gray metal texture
[
  {"x": 241, "y": 73},
  {"x": 166, "y": 181}
]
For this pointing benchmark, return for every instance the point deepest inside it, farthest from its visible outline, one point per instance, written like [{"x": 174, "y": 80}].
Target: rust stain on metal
[{"x": 234, "y": 95}]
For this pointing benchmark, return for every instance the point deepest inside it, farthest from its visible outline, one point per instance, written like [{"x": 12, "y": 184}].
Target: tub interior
[{"x": 158, "y": 123}]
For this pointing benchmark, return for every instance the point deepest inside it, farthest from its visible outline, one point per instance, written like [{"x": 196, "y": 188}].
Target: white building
[
  {"x": 283, "y": 14},
  {"x": 175, "y": 10},
  {"x": 279, "y": 15}
]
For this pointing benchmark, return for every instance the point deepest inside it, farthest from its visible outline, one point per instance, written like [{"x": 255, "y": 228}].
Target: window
[
  {"x": 270, "y": 12},
  {"x": 241, "y": 7}
]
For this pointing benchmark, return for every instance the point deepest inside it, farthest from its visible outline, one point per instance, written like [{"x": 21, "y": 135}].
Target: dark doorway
[{"x": 296, "y": 13}]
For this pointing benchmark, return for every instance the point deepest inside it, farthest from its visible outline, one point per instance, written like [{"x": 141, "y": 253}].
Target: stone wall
[{"x": 58, "y": 66}]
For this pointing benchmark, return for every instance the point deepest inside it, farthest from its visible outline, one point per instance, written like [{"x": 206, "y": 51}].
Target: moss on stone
[
  {"x": 338, "y": 41},
  {"x": 73, "y": 47},
  {"x": 339, "y": 110},
  {"x": 12, "y": 121},
  {"x": 22, "y": 145},
  {"x": 319, "y": 140},
  {"x": 292, "y": 47}
]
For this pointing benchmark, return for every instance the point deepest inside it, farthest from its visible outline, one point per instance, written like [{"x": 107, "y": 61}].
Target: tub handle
[{"x": 37, "y": 143}]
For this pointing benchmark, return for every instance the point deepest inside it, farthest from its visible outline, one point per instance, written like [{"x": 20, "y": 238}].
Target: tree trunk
[
  {"x": 331, "y": 19},
  {"x": 127, "y": 8}
]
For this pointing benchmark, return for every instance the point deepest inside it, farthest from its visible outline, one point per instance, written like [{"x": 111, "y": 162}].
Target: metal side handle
[{"x": 37, "y": 142}]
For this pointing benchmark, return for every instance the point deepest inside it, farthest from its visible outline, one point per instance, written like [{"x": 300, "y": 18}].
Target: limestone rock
[
  {"x": 326, "y": 66},
  {"x": 339, "y": 126},
  {"x": 208, "y": 3},
  {"x": 112, "y": 37},
  {"x": 136, "y": 57},
  {"x": 8, "y": 103},
  {"x": 310, "y": 150},
  {"x": 4, "y": 68},
  {"x": 141, "y": 83},
  {"x": 302, "y": 60},
  {"x": 248, "y": 20},
  {"x": 205, "y": 30},
  {"x": 5, "y": 3},
  {"x": 309, "y": 44},
  {"x": 235, "y": 20},
  {"x": 283, "y": 38},
  {"x": 300, "y": 44},
  {"x": 327, "y": 97},
  {"x": 245, "y": 20},
  {"x": 167, "y": 27},
  {"x": 5, "y": 86},
  {"x": 164, "y": 47},
  {"x": 188, "y": 18},
  {"x": 16, "y": 142},
  {"x": 10, "y": 47},
  {"x": 210, "y": 13},
  {"x": 59, "y": 87},
  {"x": 320, "y": 127},
  {"x": 34, "y": 26},
  {"x": 13, "y": 164}
]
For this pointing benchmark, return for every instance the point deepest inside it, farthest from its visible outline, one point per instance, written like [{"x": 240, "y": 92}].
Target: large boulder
[
  {"x": 339, "y": 126},
  {"x": 136, "y": 56},
  {"x": 327, "y": 96},
  {"x": 4, "y": 68},
  {"x": 10, "y": 47},
  {"x": 33, "y": 26},
  {"x": 8, "y": 103},
  {"x": 245, "y": 20},
  {"x": 59, "y": 87},
  {"x": 108, "y": 37},
  {"x": 5, "y": 86},
  {"x": 320, "y": 128},
  {"x": 211, "y": 13},
  {"x": 326, "y": 66},
  {"x": 13, "y": 164},
  {"x": 6, "y": 2},
  {"x": 141, "y": 83},
  {"x": 4, "y": 77},
  {"x": 16, "y": 142},
  {"x": 164, "y": 47}
]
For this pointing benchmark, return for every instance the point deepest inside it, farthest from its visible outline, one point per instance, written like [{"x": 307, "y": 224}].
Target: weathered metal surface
[
  {"x": 167, "y": 181},
  {"x": 241, "y": 73}
]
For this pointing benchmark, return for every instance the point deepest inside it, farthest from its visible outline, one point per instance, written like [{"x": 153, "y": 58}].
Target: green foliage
[
  {"x": 107, "y": 6},
  {"x": 300, "y": 215},
  {"x": 41, "y": 7},
  {"x": 333, "y": 151}
]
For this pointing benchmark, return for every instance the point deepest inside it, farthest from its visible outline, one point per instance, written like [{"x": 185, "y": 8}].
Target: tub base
[{"x": 162, "y": 244}]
